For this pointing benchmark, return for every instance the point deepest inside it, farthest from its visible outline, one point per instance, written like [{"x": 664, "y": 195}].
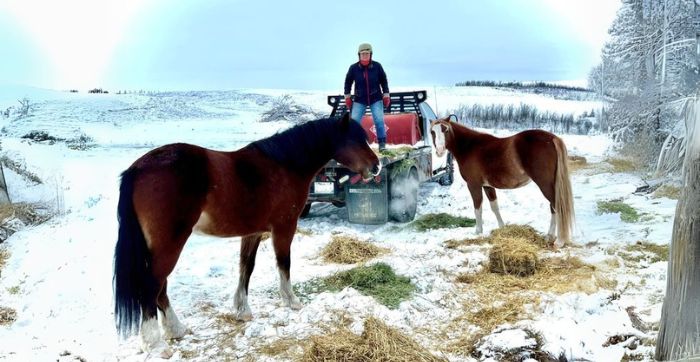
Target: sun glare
[{"x": 77, "y": 37}]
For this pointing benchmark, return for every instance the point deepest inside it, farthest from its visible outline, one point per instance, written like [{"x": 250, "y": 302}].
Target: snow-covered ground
[{"x": 58, "y": 277}]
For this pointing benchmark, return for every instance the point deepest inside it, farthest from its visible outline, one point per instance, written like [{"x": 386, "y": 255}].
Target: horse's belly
[
  {"x": 206, "y": 225},
  {"x": 511, "y": 182}
]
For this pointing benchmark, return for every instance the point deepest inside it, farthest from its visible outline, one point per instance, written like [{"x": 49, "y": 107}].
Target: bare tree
[{"x": 679, "y": 334}]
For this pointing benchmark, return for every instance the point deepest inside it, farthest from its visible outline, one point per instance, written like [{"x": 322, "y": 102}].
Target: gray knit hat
[{"x": 364, "y": 47}]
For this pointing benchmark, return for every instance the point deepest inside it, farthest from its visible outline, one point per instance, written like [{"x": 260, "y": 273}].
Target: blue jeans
[{"x": 377, "y": 109}]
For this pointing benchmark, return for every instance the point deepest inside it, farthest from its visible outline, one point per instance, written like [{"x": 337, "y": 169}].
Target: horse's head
[
  {"x": 440, "y": 129},
  {"x": 353, "y": 151}
]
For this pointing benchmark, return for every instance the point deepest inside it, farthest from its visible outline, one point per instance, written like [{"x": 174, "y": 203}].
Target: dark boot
[{"x": 382, "y": 144}]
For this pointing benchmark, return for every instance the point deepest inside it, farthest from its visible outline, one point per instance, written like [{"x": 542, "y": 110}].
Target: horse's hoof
[
  {"x": 244, "y": 316},
  {"x": 158, "y": 350},
  {"x": 295, "y": 305},
  {"x": 176, "y": 333}
]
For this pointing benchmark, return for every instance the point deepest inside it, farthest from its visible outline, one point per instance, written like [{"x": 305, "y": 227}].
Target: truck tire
[
  {"x": 305, "y": 211},
  {"x": 403, "y": 196},
  {"x": 449, "y": 177}
]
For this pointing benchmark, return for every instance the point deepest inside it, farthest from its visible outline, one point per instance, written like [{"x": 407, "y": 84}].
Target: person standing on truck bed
[{"x": 371, "y": 89}]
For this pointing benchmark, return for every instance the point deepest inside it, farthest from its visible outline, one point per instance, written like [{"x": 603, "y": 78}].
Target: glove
[
  {"x": 387, "y": 101},
  {"x": 348, "y": 102}
]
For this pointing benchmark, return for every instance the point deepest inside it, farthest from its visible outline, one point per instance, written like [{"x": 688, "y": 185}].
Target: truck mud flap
[{"x": 367, "y": 203}]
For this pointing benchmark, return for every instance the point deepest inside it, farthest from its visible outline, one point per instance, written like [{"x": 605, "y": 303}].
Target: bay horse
[
  {"x": 179, "y": 188},
  {"x": 489, "y": 163}
]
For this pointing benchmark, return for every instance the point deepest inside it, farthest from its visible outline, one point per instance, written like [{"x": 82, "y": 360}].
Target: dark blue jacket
[{"x": 370, "y": 82}]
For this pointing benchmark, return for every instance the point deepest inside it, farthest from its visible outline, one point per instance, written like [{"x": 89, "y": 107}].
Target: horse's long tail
[
  {"x": 130, "y": 262},
  {"x": 564, "y": 200}
]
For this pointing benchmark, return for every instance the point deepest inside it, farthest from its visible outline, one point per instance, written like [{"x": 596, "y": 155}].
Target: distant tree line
[
  {"x": 648, "y": 72},
  {"x": 519, "y": 85},
  {"x": 525, "y": 116}
]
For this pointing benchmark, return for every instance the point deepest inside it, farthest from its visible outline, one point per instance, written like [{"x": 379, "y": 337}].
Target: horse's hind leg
[
  {"x": 547, "y": 188},
  {"x": 172, "y": 328},
  {"x": 164, "y": 255},
  {"x": 249, "y": 249},
  {"x": 282, "y": 240},
  {"x": 491, "y": 195}
]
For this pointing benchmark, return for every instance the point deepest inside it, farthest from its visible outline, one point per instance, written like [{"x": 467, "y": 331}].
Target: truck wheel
[
  {"x": 305, "y": 211},
  {"x": 449, "y": 177},
  {"x": 403, "y": 196}
]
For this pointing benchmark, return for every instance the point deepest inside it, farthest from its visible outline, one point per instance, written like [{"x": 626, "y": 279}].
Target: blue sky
[{"x": 207, "y": 44}]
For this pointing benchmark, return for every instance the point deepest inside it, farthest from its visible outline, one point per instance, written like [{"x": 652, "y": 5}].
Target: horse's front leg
[
  {"x": 282, "y": 237},
  {"x": 249, "y": 249},
  {"x": 493, "y": 201},
  {"x": 477, "y": 199}
]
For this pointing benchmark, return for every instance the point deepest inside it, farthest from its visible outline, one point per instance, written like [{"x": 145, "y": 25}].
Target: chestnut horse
[
  {"x": 491, "y": 163},
  {"x": 179, "y": 188}
]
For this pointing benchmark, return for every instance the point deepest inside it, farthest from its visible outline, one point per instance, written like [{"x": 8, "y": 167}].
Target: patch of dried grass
[
  {"x": 348, "y": 250},
  {"x": 577, "y": 162},
  {"x": 378, "y": 342},
  {"x": 7, "y": 316},
  {"x": 4, "y": 255},
  {"x": 14, "y": 217},
  {"x": 668, "y": 191}
]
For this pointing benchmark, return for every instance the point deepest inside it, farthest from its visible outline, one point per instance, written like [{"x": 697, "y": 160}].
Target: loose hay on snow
[
  {"x": 348, "y": 250},
  {"x": 378, "y": 342}
]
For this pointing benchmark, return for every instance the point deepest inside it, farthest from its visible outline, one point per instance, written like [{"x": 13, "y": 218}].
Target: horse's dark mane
[{"x": 307, "y": 145}]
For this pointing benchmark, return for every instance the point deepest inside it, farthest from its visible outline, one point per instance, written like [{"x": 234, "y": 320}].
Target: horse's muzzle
[{"x": 377, "y": 169}]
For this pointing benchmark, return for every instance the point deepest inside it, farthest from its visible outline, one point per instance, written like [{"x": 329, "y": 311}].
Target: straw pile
[
  {"x": 7, "y": 316},
  {"x": 378, "y": 342},
  {"x": 347, "y": 250}
]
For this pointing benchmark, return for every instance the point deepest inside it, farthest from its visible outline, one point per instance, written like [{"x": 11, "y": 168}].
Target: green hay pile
[
  {"x": 377, "y": 280},
  {"x": 378, "y": 342},
  {"x": 441, "y": 220},
  {"x": 627, "y": 212}
]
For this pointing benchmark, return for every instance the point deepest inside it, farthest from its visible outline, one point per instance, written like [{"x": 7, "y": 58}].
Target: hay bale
[
  {"x": 347, "y": 250},
  {"x": 525, "y": 232},
  {"x": 513, "y": 256},
  {"x": 378, "y": 342}
]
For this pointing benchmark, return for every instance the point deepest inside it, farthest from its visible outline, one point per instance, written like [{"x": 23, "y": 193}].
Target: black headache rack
[{"x": 401, "y": 102}]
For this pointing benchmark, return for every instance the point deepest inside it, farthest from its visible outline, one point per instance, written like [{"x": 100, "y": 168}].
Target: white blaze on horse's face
[{"x": 439, "y": 139}]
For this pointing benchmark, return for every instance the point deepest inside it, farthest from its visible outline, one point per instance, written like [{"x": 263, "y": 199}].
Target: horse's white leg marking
[
  {"x": 551, "y": 235},
  {"x": 240, "y": 304},
  {"x": 497, "y": 212},
  {"x": 151, "y": 341},
  {"x": 552, "y": 226},
  {"x": 172, "y": 328},
  {"x": 479, "y": 221},
  {"x": 286, "y": 292}
]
